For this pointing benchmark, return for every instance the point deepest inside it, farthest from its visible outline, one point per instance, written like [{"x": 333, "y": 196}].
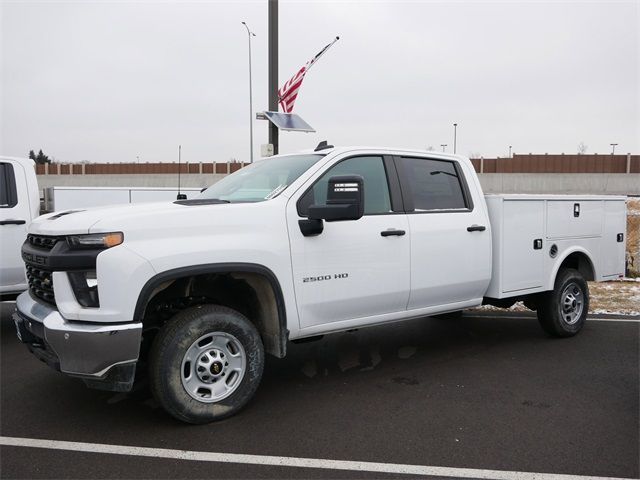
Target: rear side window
[
  {"x": 435, "y": 184},
  {"x": 8, "y": 193},
  {"x": 376, "y": 186}
]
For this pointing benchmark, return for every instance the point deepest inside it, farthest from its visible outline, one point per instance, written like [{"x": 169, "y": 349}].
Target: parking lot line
[
  {"x": 268, "y": 460},
  {"x": 589, "y": 318}
]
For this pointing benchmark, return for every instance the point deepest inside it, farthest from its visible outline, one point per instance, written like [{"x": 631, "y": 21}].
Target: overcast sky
[{"x": 111, "y": 81}]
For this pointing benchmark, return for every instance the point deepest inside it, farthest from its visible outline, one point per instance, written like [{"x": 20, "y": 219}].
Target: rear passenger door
[
  {"x": 450, "y": 235},
  {"x": 358, "y": 268}
]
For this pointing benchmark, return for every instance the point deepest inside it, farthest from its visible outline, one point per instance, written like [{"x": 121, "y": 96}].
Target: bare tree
[
  {"x": 582, "y": 148},
  {"x": 475, "y": 155},
  {"x": 430, "y": 148}
]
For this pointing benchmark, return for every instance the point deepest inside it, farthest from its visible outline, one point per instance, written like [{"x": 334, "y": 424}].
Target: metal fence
[
  {"x": 559, "y": 164},
  {"x": 516, "y": 164}
]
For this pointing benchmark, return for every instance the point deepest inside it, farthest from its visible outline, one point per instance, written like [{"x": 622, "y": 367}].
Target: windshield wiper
[{"x": 201, "y": 201}]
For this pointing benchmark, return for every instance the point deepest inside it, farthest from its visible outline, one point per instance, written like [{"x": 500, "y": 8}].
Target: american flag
[{"x": 289, "y": 92}]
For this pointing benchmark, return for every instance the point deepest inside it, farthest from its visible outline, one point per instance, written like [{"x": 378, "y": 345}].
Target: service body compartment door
[
  {"x": 522, "y": 245},
  {"x": 574, "y": 218},
  {"x": 613, "y": 246}
]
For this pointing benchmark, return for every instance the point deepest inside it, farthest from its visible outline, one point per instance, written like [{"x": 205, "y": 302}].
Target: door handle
[
  {"x": 12, "y": 222},
  {"x": 389, "y": 233},
  {"x": 476, "y": 228}
]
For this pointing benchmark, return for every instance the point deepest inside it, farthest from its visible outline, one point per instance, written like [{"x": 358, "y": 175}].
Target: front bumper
[{"x": 103, "y": 355}]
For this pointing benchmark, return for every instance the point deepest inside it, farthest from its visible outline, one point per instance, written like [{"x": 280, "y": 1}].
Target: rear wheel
[
  {"x": 206, "y": 363},
  {"x": 563, "y": 311}
]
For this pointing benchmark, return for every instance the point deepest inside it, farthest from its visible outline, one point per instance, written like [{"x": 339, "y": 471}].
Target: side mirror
[{"x": 345, "y": 200}]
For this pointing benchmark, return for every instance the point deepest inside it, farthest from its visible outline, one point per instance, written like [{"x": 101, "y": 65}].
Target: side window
[
  {"x": 376, "y": 186},
  {"x": 435, "y": 184},
  {"x": 8, "y": 194}
]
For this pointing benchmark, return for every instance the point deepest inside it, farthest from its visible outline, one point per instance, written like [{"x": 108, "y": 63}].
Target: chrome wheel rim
[
  {"x": 571, "y": 304},
  {"x": 213, "y": 367}
]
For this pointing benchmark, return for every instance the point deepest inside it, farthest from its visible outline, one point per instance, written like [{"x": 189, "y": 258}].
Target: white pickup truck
[
  {"x": 294, "y": 247},
  {"x": 19, "y": 204}
]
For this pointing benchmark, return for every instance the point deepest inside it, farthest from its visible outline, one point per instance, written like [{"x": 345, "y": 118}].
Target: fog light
[{"x": 85, "y": 288}]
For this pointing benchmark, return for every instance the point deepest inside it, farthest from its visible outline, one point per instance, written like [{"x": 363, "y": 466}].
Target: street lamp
[
  {"x": 455, "y": 126},
  {"x": 509, "y": 151},
  {"x": 443, "y": 145},
  {"x": 613, "y": 148},
  {"x": 250, "y": 34}
]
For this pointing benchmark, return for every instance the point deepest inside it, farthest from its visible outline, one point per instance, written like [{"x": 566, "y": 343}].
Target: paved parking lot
[{"x": 487, "y": 392}]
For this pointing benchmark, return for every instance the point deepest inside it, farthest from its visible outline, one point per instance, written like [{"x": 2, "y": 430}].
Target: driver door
[{"x": 350, "y": 270}]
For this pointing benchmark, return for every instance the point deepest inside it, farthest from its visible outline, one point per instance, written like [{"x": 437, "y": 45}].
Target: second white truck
[{"x": 294, "y": 247}]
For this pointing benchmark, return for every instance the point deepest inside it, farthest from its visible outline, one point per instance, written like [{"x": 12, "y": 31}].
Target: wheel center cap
[{"x": 216, "y": 368}]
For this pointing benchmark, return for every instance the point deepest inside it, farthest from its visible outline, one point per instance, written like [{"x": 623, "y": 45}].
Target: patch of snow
[{"x": 612, "y": 312}]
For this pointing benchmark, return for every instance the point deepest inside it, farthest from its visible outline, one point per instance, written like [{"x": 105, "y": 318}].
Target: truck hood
[{"x": 135, "y": 217}]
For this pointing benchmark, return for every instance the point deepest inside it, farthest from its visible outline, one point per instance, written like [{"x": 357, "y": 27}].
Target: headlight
[{"x": 95, "y": 240}]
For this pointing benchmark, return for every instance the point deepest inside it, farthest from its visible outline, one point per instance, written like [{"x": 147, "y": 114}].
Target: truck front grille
[
  {"x": 41, "y": 283},
  {"x": 42, "y": 241}
]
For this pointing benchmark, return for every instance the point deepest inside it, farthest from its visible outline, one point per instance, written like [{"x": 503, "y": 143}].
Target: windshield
[{"x": 262, "y": 180}]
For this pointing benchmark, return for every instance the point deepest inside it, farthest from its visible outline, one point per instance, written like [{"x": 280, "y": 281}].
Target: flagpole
[
  {"x": 312, "y": 62},
  {"x": 273, "y": 71},
  {"x": 323, "y": 52}
]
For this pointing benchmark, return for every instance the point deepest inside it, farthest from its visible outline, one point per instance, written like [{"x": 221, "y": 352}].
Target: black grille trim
[
  {"x": 45, "y": 242},
  {"x": 41, "y": 283}
]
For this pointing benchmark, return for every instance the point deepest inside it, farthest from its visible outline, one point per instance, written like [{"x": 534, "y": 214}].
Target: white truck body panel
[
  {"x": 518, "y": 220},
  {"x": 24, "y": 207}
]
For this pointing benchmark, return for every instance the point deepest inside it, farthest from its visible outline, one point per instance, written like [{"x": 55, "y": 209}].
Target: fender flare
[
  {"x": 176, "y": 273},
  {"x": 565, "y": 255}
]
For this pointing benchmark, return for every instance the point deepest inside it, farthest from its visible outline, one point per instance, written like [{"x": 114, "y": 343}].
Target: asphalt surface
[{"x": 485, "y": 392}]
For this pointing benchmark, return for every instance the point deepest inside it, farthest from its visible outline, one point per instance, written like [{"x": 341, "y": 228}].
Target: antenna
[{"x": 181, "y": 196}]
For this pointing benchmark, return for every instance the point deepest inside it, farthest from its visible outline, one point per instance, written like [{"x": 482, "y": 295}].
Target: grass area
[
  {"x": 633, "y": 236},
  {"x": 618, "y": 296},
  {"x": 615, "y": 297}
]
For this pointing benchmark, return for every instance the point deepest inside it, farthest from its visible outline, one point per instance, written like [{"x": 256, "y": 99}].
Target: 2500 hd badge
[{"x": 322, "y": 278}]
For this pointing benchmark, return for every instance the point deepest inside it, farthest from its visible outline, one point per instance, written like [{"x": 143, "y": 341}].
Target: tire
[
  {"x": 563, "y": 311},
  {"x": 205, "y": 364}
]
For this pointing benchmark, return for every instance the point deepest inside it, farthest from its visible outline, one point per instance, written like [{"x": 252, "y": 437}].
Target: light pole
[
  {"x": 250, "y": 34},
  {"x": 613, "y": 148},
  {"x": 455, "y": 127},
  {"x": 443, "y": 145},
  {"x": 509, "y": 151}
]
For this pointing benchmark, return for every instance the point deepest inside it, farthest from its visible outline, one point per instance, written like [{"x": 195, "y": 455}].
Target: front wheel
[
  {"x": 563, "y": 311},
  {"x": 206, "y": 363}
]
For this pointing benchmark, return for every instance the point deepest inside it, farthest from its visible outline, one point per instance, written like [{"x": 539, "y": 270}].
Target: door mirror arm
[{"x": 310, "y": 227}]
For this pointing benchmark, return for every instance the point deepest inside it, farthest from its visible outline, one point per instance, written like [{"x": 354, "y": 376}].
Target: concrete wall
[
  {"x": 569, "y": 183},
  {"x": 584, "y": 183},
  {"x": 134, "y": 180}
]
